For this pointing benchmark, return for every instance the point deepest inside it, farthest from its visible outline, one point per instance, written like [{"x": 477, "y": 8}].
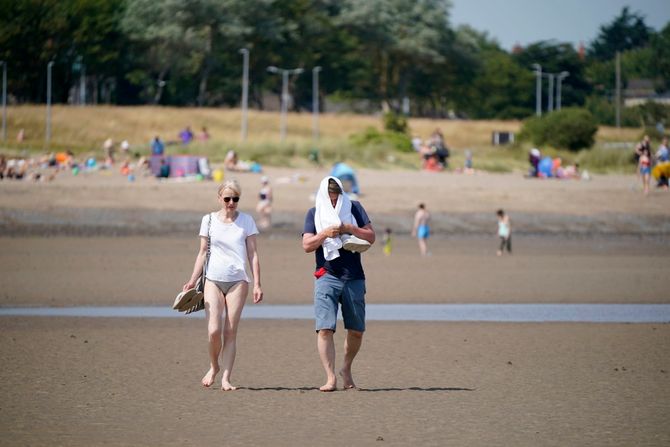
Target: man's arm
[
  {"x": 311, "y": 241},
  {"x": 367, "y": 232}
]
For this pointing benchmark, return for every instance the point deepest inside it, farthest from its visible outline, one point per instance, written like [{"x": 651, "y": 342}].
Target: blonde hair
[{"x": 232, "y": 185}]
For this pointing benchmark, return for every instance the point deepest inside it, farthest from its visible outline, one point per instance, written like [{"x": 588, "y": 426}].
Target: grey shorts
[
  {"x": 330, "y": 291},
  {"x": 223, "y": 286}
]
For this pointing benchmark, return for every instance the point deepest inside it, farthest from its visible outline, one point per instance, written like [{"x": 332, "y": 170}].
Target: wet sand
[
  {"x": 69, "y": 271},
  {"x": 68, "y": 381}
]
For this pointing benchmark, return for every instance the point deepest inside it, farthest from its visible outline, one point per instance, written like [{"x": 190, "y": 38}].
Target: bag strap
[{"x": 209, "y": 237}]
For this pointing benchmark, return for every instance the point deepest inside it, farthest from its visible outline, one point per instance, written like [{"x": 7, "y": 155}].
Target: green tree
[
  {"x": 660, "y": 47},
  {"x": 181, "y": 40},
  {"x": 625, "y": 32},
  {"x": 396, "y": 35},
  {"x": 35, "y": 32}
]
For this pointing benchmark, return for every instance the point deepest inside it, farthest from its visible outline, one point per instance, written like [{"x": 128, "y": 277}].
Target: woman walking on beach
[{"x": 232, "y": 241}]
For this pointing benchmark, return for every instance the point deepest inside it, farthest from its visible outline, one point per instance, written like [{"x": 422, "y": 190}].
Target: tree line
[{"x": 186, "y": 53}]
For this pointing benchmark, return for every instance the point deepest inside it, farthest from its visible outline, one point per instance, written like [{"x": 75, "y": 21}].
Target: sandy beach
[
  {"x": 101, "y": 240},
  {"x": 82, "y": 382}
]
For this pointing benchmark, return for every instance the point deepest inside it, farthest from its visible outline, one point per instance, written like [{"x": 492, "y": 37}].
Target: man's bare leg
[
  {"x": 214, "y": 310},
  {"x": 423, "y": 247},
  {"x": 326, "y": 347},
  {"x": 235, "y": 303},
  {"x": 352, "y": 344}
]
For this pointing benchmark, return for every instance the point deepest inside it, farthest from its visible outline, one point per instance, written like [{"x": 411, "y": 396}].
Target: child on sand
[
  {"x": 387, "y": 242},
  {"x": 504, "y": 232}
]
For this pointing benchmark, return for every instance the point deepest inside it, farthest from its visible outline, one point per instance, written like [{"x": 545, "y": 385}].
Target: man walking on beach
[
  {"x": 421, "y": 228},
  {"x": 337, "y": 230}
]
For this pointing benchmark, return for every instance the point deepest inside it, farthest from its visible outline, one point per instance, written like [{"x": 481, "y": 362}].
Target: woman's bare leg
[
  {"x": 235, "y": 299},
  {"x": 214, "y": 306}
]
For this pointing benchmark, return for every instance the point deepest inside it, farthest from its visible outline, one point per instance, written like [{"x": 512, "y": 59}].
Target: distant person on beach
[
  {"x": 264, "y": 206},
  {"x": 534, "y": 156},
  {"x": 339, "y": 274},
  {"x": 663, "y": 152},
  {"x": 204, "y": 134},
  {"x": 125, "y": 148},
  {"x": 421, "y": 228},
  {"x": 468, "y": 167},
  {"x": 232, "y": 242},
  {"x": 388, "y": 242},
  {"x": 164, "y": 170},
  {"x": 230, "y": 162},
  {"x": 504, "y": 232},
  {"x": 108, "y": 148},
  {"x": 644, "y": 168},
  {"x": 643, "y": 147},
  {"x": 439, "y": 148},
  {"x": 157, "y": 146},
  {"x": 186, "y": 136},
  {"x": 3, "y": 166}
]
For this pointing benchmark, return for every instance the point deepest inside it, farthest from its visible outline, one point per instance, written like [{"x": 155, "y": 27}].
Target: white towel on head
[{"x": 327, "y": 216}]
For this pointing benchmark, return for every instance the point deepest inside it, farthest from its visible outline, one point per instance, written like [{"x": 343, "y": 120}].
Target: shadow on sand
[
  {"x": 416, "y": 388},
  {"x": 372, "y": 390}
]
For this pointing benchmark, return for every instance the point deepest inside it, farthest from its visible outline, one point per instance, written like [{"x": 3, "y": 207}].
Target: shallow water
[{"x": 531, "y": 313}]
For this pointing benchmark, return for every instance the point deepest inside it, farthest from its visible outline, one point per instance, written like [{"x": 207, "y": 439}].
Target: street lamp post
[
  {"x": 538, "y": 89},
  {"x": 315, "y": 103},
  {"x": 284, "y": 94},
  {"x": 245, "y": 90},
  {"x": 4, "y": 101},
  {"x": 82, "y": 86},
  {"x": 550, "y": 98},
  {"x": 48, "y": 133},
  {"x": 562, "y": 75}
]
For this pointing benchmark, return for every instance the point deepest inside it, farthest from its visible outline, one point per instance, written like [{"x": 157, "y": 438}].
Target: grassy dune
[{"x": 83, "y": 130}]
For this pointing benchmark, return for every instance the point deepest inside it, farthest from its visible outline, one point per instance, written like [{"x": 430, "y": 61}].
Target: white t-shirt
[{"x": 228, "y": 250}]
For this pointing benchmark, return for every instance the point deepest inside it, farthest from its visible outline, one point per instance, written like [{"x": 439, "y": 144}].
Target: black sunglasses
[{"x": 235, "y": 199}]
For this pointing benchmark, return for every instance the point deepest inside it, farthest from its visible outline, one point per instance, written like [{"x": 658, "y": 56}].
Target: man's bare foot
[
  {"x": 226, "y": 386},
  {"x": 331, "y": 385},
  {"x": 208, "y": 380},
  {"x": 348, "y": 380}
]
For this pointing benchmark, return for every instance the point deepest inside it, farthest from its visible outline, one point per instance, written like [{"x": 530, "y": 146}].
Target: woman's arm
[
  {"x": 199, "y": 263},
  {"x": 254, "y": 262}
]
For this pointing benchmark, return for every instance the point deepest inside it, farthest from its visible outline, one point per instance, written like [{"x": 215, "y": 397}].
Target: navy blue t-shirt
[{"x": 348, "y": 265}]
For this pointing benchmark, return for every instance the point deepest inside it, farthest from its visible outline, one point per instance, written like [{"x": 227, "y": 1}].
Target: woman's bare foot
[
  {"x": 208, "y": 379},
  {"x": 226, "y": 386},
  {"x": 348, "y": 380},
  {"x": 331, "y": 385}
]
